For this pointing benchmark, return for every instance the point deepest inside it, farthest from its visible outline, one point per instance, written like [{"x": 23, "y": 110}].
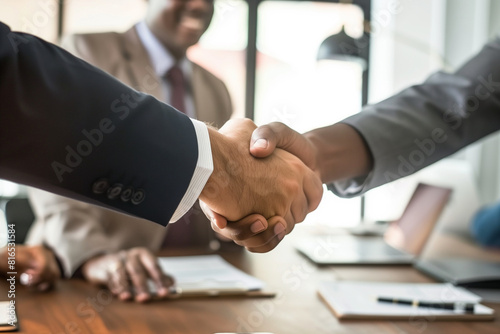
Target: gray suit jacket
[
  {"x": 77, "y": 231},
  {"x": 428, "y": 122}
]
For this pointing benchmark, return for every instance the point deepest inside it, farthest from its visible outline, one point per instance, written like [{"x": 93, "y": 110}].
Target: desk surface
[{"x": 78, "y": 307}]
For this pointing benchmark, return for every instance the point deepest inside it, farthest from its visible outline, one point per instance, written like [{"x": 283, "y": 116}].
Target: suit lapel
[{"x": 139, "y": 68}]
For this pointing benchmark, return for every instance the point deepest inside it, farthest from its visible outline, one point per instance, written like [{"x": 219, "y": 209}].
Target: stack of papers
[{"x": 358, "y": 300}]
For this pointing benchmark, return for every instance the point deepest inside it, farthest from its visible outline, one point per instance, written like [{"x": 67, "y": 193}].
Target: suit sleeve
[
  {"x": 75, "y": 231},
  {"x": 427, "y": 122},
  {"x": 69, "y": 128}
]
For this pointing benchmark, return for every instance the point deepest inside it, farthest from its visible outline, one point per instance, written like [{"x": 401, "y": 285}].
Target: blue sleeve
[
  {"x": 485, "y": 226},
  {"x": 71, "y": 129}
]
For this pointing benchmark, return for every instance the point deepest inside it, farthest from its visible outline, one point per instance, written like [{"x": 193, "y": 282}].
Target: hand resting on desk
[{"x": 126, "y": 274}]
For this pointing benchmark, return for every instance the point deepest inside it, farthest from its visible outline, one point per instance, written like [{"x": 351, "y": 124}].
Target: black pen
[{"x": 456, "y": 306}]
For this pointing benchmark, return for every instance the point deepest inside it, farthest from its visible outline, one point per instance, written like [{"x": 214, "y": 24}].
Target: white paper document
[
  {"x": 358, "y": 300},
  {"x": 207, "y": 273}
]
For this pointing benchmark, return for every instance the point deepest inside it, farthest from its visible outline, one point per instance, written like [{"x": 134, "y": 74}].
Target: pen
[{"x": 457, "y": 306}]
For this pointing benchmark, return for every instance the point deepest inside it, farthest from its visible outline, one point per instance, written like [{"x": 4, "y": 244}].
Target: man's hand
[
  {"x": 254, "y": 232},
  {"x": 127, "y": 272},
  {"x": 36, "y": 266},
  {"x": 334, "y": 152},
  {"x": 279, "y": 185},
  {"x": 266, "y": 138},
  {"x": 240, "y": 184}
]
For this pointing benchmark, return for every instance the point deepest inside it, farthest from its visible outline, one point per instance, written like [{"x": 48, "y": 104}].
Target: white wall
[
  {"x": 407, "y": 44},
  {"x": 469, "y": 25}
]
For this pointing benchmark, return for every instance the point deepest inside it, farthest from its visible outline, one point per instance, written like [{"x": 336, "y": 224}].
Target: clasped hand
[{"x": 268, "y": 196}]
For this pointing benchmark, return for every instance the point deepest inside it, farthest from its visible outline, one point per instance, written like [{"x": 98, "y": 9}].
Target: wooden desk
[
  {"x": 451, "y": 244},
  {"x": 77, "y": 307}
]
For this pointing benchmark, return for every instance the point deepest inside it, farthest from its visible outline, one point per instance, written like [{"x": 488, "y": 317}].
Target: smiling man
[{"x": 107, "y": 247}]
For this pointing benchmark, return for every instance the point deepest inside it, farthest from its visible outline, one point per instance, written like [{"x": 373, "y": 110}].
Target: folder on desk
[
  {"x": 209, "y": 276},
  {"x": 358, "y": 300}
]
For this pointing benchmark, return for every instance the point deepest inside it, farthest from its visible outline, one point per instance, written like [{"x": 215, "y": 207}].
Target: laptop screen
[{"x": 410, "y": 232}]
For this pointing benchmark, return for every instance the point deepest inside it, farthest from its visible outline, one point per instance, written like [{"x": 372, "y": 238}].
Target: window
[
  {"x": 293, "y": 87},
  {"x": 222, "y": 49},
  {"x": 89, "y": 16},
  {"x": 37, "y": 17}
]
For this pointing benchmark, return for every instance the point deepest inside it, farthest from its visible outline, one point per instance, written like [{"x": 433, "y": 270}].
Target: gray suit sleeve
[{"x": 427, "y": 122}]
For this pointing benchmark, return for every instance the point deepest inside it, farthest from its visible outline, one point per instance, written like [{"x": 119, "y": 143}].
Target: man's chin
[{"x": 189, "y": 38}]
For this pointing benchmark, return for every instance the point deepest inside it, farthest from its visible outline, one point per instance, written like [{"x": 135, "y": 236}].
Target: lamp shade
[{"x": 343, "y": 47}]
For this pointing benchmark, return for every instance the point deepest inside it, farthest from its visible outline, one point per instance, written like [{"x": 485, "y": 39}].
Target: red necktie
[{"x": 177, "y": 88}]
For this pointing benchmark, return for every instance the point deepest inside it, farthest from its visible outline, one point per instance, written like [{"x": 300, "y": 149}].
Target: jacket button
[
  {"x": 138, "y": 197},
  {"x": 127, "y": 194},
  {"x": 100, "y": 186},
  {"x": 114, "y": 191}
]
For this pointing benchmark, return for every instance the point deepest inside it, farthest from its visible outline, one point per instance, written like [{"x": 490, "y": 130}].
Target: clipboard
[
  {"x": 358, "y": 301},
  {"x": 210, "y": 276},
  {"x": 179, "y": 293}
]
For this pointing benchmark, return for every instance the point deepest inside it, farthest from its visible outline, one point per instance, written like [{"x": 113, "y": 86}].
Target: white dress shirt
[{"x": 162, "y": 61}]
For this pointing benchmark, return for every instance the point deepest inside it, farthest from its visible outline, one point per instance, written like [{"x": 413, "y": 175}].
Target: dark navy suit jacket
[{"x": 69, "y": 128}]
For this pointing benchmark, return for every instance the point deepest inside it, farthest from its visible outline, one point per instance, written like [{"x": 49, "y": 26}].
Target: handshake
[{"x": 257, "y": 192}]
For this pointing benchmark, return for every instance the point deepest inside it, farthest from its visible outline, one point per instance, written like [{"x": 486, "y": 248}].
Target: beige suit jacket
[{"x": 77, "y": 231}]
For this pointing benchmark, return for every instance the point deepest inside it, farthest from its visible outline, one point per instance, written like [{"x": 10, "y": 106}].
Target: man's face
[{"x": 179, "y": 24}]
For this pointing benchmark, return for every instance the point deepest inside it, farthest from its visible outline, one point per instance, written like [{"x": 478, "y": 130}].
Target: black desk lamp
[{"x": 343, "y": 47}]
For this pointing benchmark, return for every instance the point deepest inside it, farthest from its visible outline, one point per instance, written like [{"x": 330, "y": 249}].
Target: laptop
[
  {"x": 402, "y": 242},
  {"x": 470, "y": 273}
]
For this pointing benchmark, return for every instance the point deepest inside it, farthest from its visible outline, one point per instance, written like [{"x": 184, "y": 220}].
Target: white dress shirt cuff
[{"x": 202, "y": 172}]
